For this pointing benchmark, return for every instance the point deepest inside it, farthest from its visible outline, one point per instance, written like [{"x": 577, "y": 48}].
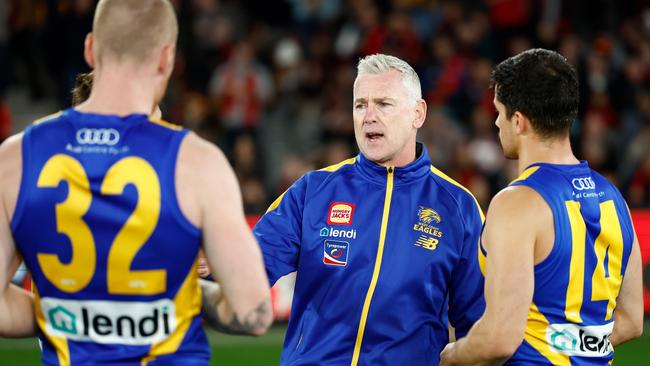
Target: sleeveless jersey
[
  {"x": 577, "y": 285},
  {"x": 112, "y": 257}
]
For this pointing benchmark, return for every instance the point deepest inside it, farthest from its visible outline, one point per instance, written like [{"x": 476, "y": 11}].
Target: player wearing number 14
[
  {"x": 109, "y": 207},
  {"x": 561, "y": 259}
]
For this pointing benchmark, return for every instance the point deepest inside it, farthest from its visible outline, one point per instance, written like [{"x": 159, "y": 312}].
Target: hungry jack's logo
[{"x": 340, "y": 213}]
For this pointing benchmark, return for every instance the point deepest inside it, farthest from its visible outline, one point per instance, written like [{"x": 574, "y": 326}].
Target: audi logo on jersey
[
  {"x": 98, "y": 136},
  {"x": 583, "y": 183}
]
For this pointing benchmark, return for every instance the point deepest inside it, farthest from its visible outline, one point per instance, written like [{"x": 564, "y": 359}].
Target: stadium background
[{"x": 271, "y": 83}]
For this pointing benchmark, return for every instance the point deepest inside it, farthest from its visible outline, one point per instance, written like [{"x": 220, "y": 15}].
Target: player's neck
[
  {"x": 556, "y": 151},
  {"x": 120, "y": 92}
]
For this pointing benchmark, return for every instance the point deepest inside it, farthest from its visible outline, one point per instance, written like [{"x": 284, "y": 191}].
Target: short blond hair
[{"x": 133, "y": 29}]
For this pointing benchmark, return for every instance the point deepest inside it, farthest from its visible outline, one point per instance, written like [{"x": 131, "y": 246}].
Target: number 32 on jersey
[{"x": 76, "y": 275}]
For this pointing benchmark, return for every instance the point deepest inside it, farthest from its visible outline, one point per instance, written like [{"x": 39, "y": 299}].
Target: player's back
[
  {"x": 112, "y": 256},
  {"x": 577, "y": 285}
]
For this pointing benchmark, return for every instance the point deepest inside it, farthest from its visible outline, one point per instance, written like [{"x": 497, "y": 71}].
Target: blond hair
[
  {"x": 133, "y": 29},
  {"x": 380, "y": 63}
]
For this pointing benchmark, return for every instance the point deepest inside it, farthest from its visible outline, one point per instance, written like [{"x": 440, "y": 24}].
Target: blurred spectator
[
  {"x": 26, "y": 21},
  {"x": 271, "y": 82},
  {"x": 240, "y": 89},
  {"x": 75, "y": 23},
  {"x": 5, "y": 115}
]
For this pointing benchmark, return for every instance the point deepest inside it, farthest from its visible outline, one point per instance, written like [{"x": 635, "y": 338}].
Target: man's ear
[
  {"x": 420, "y": 113},
  {"x": 167, "y": 59},
  {"x": 88, "y": 50},
  {"x": 521, "y": 123}
]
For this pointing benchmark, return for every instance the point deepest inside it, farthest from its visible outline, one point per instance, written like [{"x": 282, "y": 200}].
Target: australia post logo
[
  {"x": 584, "y": 341},
  {"x": 340, "y": 213},
  {"x": 335, "y": 253},
  {"x": 109, "y": 322}
]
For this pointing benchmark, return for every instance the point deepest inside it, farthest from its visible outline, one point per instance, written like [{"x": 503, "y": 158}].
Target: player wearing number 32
[
  {"x": 109, "y": 208},
  {"x": 561, "y": 259}
]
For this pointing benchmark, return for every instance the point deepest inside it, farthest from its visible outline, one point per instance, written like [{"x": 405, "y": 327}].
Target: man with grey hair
[{"x": 384, "y": 244}]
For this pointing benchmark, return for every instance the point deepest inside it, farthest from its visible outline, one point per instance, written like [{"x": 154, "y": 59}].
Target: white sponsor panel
[
  {"x": 116, "y": 322},
  {"x": 585, "y": 341}
]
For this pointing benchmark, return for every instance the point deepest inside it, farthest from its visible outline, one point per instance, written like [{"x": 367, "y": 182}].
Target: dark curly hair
[
  {"x": 83, "y": 84},
  {"x": 543, "y": 86}
]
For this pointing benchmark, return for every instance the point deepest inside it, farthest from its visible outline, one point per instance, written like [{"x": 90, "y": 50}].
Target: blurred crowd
[{"x": 271, "y": 81}]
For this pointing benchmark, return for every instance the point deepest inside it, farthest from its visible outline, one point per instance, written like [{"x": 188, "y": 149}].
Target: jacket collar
[{"x": 402, "y": 175}]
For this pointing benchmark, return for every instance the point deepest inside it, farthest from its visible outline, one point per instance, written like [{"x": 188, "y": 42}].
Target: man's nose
[{"x": 371, "y": 114}]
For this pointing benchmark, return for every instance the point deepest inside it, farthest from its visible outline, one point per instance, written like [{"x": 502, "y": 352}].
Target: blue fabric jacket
[{"x": 385, "y": 257}]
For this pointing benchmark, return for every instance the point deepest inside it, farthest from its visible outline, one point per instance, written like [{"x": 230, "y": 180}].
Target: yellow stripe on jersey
[
  {"x": 526, "y": 173},
  {"x": 60, "y": 344},
  {"x": 335, "y": 167},
  {"x": 577, "y": 267},
  {"x": 375, "y": 272},
  {"x": 163, "y": 123},
  {"x": 535, "y": 335},
  {"x": 276, "y": 203},
  {"x": 444, "y": 176},
  {"x": 47, "y": 118},
  {"x": 482, "y": 260},
  {"x": 331, "y": 168},
  {"x": 188, "y": 305},
  {"x": 609, "y": 243}
]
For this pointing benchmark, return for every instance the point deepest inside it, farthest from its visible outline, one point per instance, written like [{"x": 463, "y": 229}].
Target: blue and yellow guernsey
[
  {"x": 385, "y": 258},
  {"x": 112, "y": 257},
  {"x": 576, "y": 286}
]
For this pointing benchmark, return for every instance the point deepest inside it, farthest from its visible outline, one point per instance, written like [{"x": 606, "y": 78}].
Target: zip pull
[{"x": 390, "y": 169}]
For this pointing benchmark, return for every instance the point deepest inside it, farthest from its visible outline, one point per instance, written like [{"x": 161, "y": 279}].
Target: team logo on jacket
[
  {"x": 426, "y": 215},
  {"x": 430, "y": 234},
  {"x": 340, "y": 213},
  {"x": 335, "y": 253}
]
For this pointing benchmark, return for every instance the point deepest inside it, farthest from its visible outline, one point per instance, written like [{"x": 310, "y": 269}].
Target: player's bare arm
[
  {"x": 510, "y": 235},
  {"x": 16, "y": 304},
  {"x": 210, "y": 198},
  {"x": 628, "y": 319}
]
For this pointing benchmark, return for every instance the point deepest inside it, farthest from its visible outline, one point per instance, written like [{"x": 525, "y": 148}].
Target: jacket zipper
[{"x": 375, "y": 274}]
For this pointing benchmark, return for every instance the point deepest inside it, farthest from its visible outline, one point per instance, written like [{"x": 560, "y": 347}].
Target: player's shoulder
[
  {"x": 198, "y": 153},
  {"x": 517, "y": 201},
  {"x": 10, "y": 149},
  {"x": 11, "y": 164}
]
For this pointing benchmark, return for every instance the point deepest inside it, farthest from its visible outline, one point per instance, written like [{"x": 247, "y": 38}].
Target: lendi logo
[
  {"x": 585, "y": 341},
  {"x": 132, "y": 323}
]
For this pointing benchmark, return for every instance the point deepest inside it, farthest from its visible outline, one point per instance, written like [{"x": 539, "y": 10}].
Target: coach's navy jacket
[{"x": 384, "y": 257}]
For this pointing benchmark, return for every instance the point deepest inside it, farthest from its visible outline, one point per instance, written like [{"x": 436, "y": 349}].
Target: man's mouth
[{"x": 374, "y": 136}]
